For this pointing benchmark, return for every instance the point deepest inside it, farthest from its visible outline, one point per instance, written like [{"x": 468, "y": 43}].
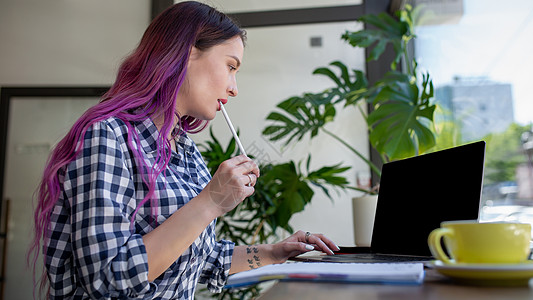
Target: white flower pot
[{"x": 364, "y": 211}]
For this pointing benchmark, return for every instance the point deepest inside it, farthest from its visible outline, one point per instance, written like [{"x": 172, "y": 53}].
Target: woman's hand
[
  {"x": 233, "y": 181},
  {"x": 254, "y": 256},
  {"x": 301, "y": 242}
]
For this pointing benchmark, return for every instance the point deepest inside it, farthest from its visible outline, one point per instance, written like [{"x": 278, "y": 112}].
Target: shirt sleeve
[
  {"x": 218, "y": 262},
  {"x": 110, "y": 259}
]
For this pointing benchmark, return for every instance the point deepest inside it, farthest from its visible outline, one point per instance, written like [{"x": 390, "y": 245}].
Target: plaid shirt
[{"x": 91, "y": 249}]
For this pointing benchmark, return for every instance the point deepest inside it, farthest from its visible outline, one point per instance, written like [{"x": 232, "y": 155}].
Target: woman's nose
[{"x": 232, "y": 90}]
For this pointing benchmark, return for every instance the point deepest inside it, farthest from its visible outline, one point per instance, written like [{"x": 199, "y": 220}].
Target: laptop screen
[{"x": 416, "y": 194}]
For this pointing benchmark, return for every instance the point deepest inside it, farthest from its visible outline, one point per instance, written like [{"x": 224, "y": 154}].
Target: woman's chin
[
  {"x": 208, "y": 117},
  {"x": 205, "y": 116}
]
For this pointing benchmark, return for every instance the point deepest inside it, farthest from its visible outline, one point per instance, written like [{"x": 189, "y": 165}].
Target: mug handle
[{"x": 435, "y": 246}]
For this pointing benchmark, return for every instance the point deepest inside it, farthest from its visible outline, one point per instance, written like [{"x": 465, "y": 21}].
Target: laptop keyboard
[
  {"x": 364, "y": 258},
  {"x": 398, "y": 258}
]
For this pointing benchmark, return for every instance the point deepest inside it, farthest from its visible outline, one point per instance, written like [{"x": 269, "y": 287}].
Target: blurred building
[{"x": 480, "y": 106}]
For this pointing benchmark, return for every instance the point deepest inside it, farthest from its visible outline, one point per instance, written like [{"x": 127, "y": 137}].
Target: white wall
[
  {"x": 82, "y": 43},
  {"x": 67, "y": 42}
]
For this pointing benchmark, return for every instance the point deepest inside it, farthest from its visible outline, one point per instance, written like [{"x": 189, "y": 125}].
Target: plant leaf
[{"x": 396, "y": 124}]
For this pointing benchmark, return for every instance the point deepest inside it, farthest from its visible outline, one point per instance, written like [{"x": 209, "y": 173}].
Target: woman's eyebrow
[{"x": 236, "y": 59}]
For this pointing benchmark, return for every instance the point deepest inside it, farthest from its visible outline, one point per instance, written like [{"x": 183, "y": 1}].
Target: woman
[{"x": 127, "y": 208}]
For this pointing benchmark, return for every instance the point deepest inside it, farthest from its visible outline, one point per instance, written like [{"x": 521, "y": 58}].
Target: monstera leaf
[
  {"x": 396, "y": 32},
  {"x": 344, "y": 82},
  {"x": 310, "y": 112},
  {"x": 299, "y": 116},
  {"x": 399, "y": 124}
]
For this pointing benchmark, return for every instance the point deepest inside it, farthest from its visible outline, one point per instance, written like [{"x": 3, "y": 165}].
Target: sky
[{"x": 493, "y": 39}]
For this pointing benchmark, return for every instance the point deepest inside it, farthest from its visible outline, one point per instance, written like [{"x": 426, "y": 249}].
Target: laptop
[{"x": 417, "y": 194}]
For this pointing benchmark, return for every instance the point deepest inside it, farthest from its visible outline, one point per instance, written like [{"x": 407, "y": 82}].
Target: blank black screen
[{"x": 416, "y": 194}]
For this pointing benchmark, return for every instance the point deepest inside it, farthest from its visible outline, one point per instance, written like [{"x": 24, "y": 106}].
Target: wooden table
[{"x": 435, "y": 287}]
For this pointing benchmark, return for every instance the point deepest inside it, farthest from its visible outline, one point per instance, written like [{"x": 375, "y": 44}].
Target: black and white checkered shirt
[{"x": 92, "y": 250}]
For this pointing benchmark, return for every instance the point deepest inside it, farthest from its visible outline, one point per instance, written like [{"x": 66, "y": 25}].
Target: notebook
[
  {"x": 416, "y": 194},
  {"x": 407, "y": 273}
]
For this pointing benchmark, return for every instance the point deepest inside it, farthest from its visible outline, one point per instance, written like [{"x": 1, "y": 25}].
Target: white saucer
[{"x": 486, "y": 274}]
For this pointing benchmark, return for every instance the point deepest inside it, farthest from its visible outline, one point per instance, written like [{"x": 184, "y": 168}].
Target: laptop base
[{"x": 363, "y": 258}]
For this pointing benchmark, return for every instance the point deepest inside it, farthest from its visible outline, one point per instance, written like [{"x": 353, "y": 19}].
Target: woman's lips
[{"x": 223, "y": 101}]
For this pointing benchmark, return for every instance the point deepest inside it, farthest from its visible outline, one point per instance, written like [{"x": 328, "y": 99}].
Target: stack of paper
[{"x": 396, "y": 273}]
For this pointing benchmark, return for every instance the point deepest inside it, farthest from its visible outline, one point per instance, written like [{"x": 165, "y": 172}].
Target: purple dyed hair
[{"x": 147, "y": 85}]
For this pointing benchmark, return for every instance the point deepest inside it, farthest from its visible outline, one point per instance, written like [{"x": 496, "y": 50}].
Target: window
[{"x": 479, "y": 58}]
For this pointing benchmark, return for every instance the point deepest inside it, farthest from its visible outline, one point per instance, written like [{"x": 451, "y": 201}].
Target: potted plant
[
  {"x": 400, "y": 114},
  {"x": 281, "y": 191}
]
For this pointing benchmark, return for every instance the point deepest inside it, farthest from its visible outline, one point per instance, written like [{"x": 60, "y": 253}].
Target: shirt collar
[{"x": 148, "y": 134}]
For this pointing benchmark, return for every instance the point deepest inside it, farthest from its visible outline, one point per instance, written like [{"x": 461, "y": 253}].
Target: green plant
[
  {"x": 401, "y": 114},
  {"x": 281, "y": 191},
  {"x": 504, "y": 154}
]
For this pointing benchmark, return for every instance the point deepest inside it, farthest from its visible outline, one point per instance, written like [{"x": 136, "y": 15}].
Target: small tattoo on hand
[{"x": 256, "y": 258}]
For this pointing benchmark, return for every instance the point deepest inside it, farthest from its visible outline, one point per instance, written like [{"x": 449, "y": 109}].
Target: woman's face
[{"x": 210, "y": 77}]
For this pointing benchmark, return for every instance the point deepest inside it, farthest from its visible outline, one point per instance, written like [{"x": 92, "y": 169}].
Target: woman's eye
[{"x": 232, "y": 68}]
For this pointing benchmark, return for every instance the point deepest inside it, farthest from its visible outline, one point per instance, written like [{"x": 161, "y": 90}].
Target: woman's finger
[
  {"x": 246, "y": 164},
  {"x": 328, "y": 242},
  {"x": 239, "y": 159},
  {"x": 249, "y": 179},
  {"x": 323, "y": 243},
  {"x": 292, "y": 249}
]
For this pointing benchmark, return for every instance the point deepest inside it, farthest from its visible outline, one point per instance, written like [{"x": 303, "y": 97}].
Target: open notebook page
[{"x": 409, "y": 273}]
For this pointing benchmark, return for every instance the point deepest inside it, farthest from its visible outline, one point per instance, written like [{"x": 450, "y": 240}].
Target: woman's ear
[{"x": 194, "y": 54}]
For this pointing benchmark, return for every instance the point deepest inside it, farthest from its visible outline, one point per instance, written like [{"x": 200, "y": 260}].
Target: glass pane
[
  {"x": 480, "y": 62},
  {"x": 35, "y": 126}
]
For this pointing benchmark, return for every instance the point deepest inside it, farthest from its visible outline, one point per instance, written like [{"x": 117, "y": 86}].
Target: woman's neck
[{"x": 159, "y": 121}]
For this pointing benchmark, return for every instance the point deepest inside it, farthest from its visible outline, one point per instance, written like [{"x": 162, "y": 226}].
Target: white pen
[{"x": 241, "y": 148}]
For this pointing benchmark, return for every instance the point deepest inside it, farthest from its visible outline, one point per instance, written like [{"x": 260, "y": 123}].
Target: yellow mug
[{"x": 473, "y": 242}]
